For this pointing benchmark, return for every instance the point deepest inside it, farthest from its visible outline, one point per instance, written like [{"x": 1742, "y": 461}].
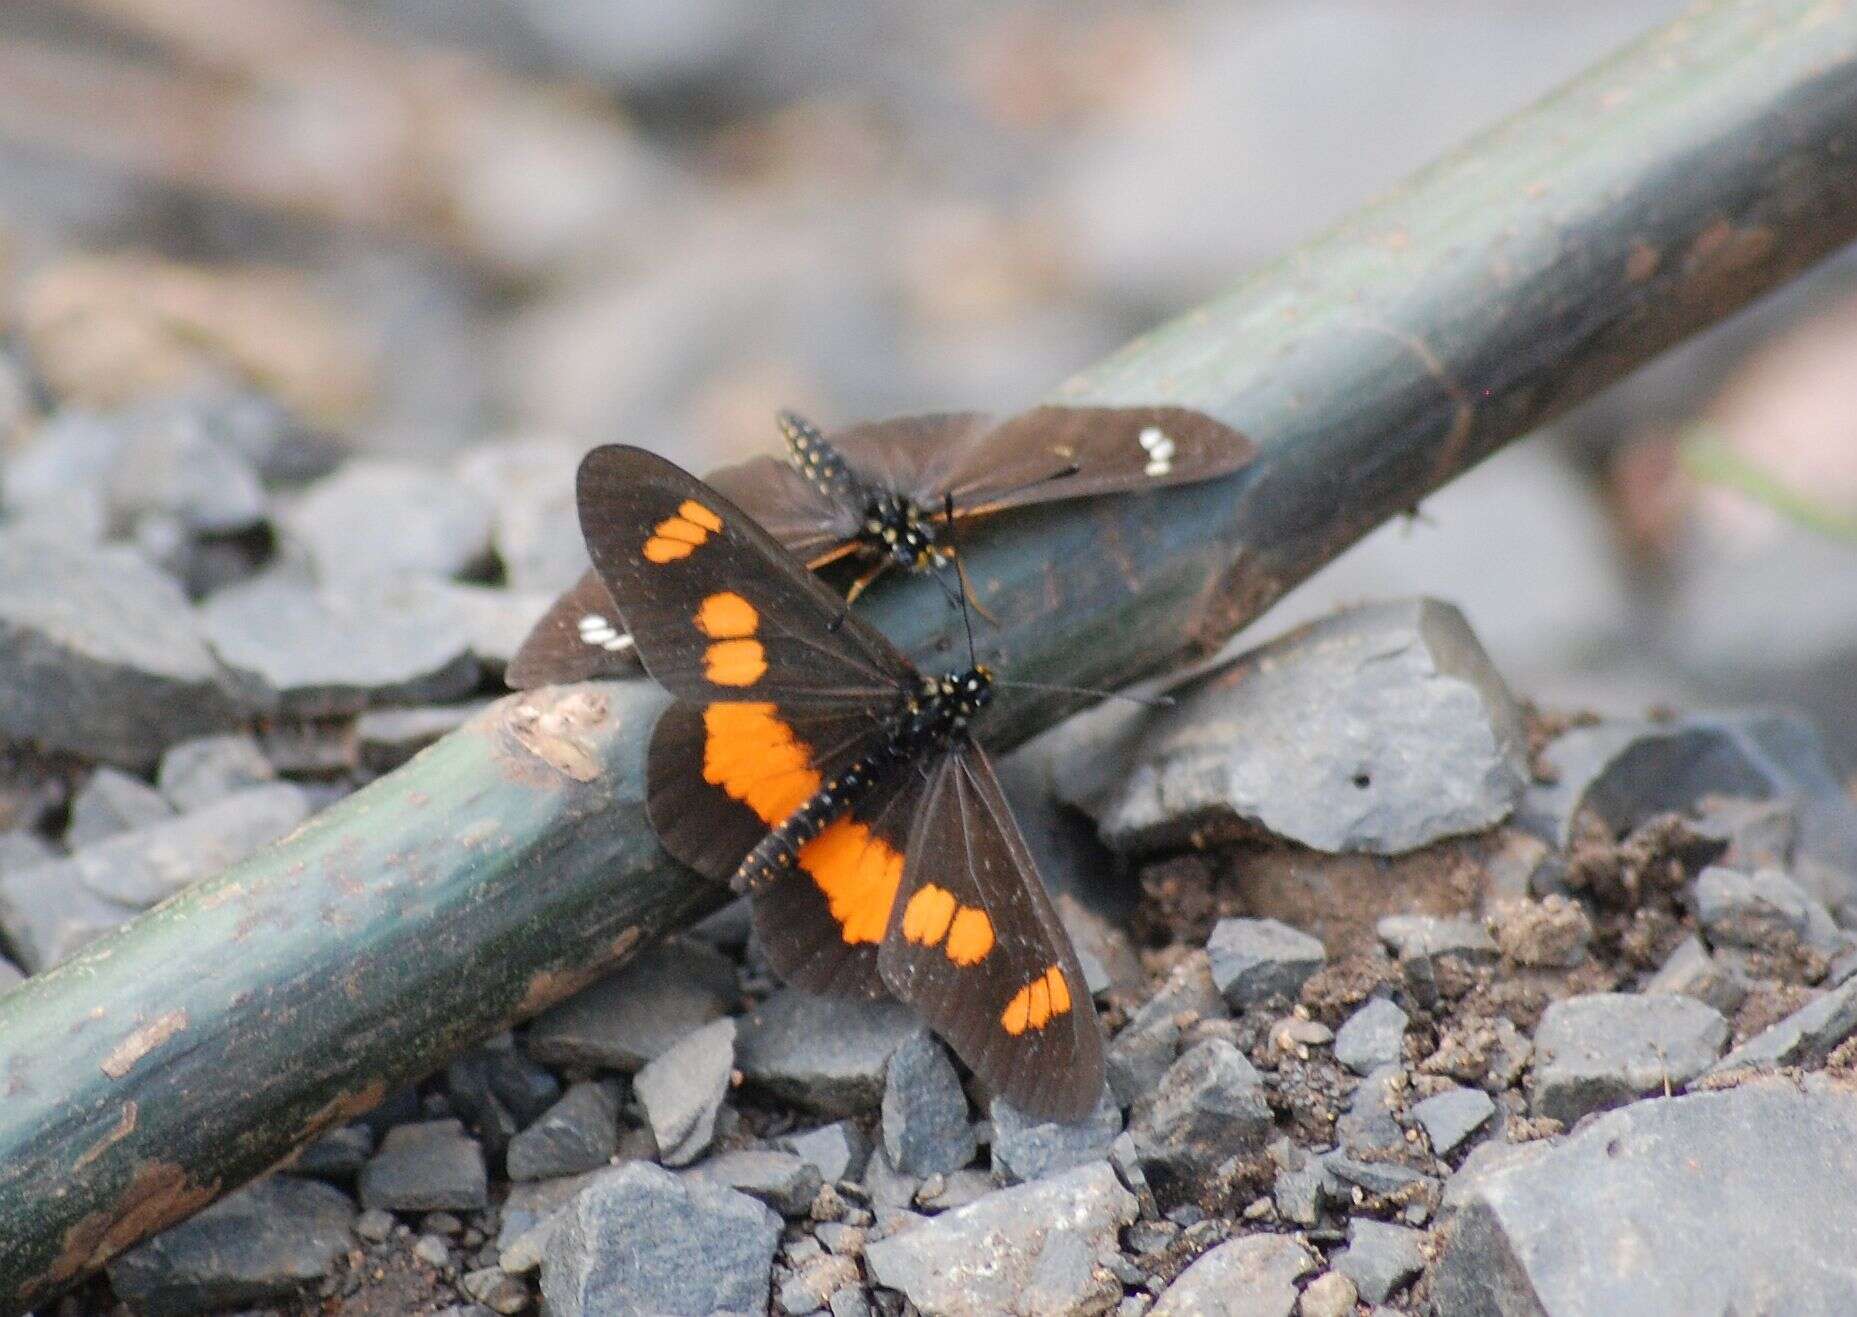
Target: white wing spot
[
  {"x": 596, "y": 630},
  {"x": 1160, "y": 450}
]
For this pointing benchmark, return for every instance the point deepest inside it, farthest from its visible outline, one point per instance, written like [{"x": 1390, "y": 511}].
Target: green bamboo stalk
[{"x": 505, "y": 867}]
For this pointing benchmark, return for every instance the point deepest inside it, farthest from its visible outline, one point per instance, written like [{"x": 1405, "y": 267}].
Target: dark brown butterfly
[
  {"x": 886, "y": 491},
  {"x": 808, "y": 763}
]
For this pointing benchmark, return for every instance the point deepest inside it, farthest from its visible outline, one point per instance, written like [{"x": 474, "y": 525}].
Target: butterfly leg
[
  {"x": 865, "y": 581},
  {"x": 967, "y": 588}
]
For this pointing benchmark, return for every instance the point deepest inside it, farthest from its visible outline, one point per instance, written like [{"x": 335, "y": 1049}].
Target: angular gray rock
[
  {"x": 1452, "y": 1116},
  {"x": 838, "y": 1150},
  {"x": 1381, "y": 728},
  {"x": 1691, "y": 971},
  {"x": 376, "y": 518},
  {"x": 388, "y": 738},
  {"x": 101, "y": 655},
  {"x": 138, "y": 869},
  {"x": 640, "y": 1240},
  {"x": 338, "y": 1155},
  {"x": 1253, "y": 1276},
  {"x": 1253, "y": 960},
  {"x": 1605, "y": 1049},
  {"x": 174, "y": 465},
  {"x": 1805, "y": 1038},
  {"x": 1765, "y": 910},
  {"x": 1371, "y": 1122},
  {"x": 1371, "y": 1037},
  {"x": 1331, "y": 1294},
  {"x": 1438, "y": 957},
  {"x": 682, "y": 1090},
  {"x": 1209, "y": 1106},
  {"x": 662, "y": 995},
  {"x": 826, "y": 1054},
  {"x": 785, "y": 1181},
  {"x": 578, "y": 1133},
  {"x": 48, "y": 918},
  {"x": 429, "y": 1167},
  {"x": 210, "y": 768},
  {"x": 11, "y": 976},
  {"x": 497, "y": 1091},
  {"x": 535, "y": 527},
  {"x": 272, "y": 1242},
  {"x": 1032, "y": 1247},
  {"x": 1141, "y": 1052},
  {"x": 1743, "y": 1200},
  {"x": 1630, "y": 771},
  {"x": 926, "y": 1129},
  {"x": 1380, "y": 1258},
  {"x": 331, "y": 651},
  {"x": 110, "y": 803},
  {"x": 1029, "y": 1149}
]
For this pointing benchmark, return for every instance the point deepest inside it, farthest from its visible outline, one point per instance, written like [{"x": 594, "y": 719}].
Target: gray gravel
[
  {"x": 640, "y": 1240},
  {"x": 1608, "y": 1048},
  {"x": 1253, "y": 960},
  {"x": 272, "y": 1242},
  {"x": 427, "y": 1167},
  {"x": 1032, "y": 1247},
  {"x": 682, "y": 1090},
  {"x": 824, "y": 1054},
  {"x": 101, "y": 655},
  {"x": 926, "y": 1128},
  {"x": 1381, "y": 728},
  {"x": 1736, "y": 1201}
]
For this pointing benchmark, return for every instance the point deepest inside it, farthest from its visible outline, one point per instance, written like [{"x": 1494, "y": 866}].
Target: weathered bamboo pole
[{"x": 509, "y": 864}]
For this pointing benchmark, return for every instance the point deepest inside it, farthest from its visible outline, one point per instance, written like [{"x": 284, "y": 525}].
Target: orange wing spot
[
  {"x": 1037, "y": 1003},
  {"x": 859, "y": 873},
  {"x": 1018, "y": 1012},
  {"x": 660, "y": 550},
  {"x": 678, "y": 537},
  {"x": 925, "y": 918},
  {"x": 1041, "y": 1003},
  {"x": 754, "y": 756},
  {"x": 1060, "y": 990},
  {"x": 970, "y": 937},
  {"x": 727, "y": 616},
  {"x": 735, "y": 662}
]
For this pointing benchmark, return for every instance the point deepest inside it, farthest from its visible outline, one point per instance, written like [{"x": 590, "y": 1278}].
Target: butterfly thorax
[
  {"x": 927, "y": 722},
  {"x": 896, "y": 528}
]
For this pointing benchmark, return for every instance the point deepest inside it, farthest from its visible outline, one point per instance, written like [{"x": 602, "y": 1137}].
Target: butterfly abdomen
[{"x": 778, "y": 853}]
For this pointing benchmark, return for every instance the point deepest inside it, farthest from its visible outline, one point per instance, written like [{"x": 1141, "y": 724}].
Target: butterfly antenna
[
  {"x": 1146, "y": 701},
  {"x": 967, "y": 620}
]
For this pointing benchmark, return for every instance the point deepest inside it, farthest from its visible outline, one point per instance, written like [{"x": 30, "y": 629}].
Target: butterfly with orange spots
[{"x": 811, "y": 765}]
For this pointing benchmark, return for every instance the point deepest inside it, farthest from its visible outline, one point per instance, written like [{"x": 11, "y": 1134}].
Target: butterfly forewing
[
  {"x": 1105, "y": 450},
  {"x": 975, "y": 945},
  {"x": 717, "y": 609}
]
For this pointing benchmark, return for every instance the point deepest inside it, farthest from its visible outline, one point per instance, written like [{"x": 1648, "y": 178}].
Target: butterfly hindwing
[
  {"x": 823, "y": 925},
  {"x": 580, "y": 638},
  {"x": 975, "y": 945},
  {"x": 718, "y": 610}
]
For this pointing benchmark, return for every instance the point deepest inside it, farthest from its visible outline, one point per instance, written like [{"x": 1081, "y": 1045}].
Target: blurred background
[{"x": 479, "y": 238}]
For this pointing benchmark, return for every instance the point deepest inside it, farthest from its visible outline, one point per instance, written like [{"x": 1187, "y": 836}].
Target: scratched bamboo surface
[{"x": 511, "y": 863}]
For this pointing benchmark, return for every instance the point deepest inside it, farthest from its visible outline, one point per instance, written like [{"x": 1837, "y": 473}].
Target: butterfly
[
  {"x": 809, "y": 764},
  {"x": 889, "y": 493}
]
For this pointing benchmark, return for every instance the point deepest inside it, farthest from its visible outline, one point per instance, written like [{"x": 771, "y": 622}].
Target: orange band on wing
[
  {"x": 1037, "y": 1003},
  {"x": 727, "y": 616},
  {"x": 680, "y": 536},
  {"x": 735, "y": 662},
  {"x": 755, "y": 757},
  {"x": 933, "y": 914},
  {"x": 859, "y": 873}
]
